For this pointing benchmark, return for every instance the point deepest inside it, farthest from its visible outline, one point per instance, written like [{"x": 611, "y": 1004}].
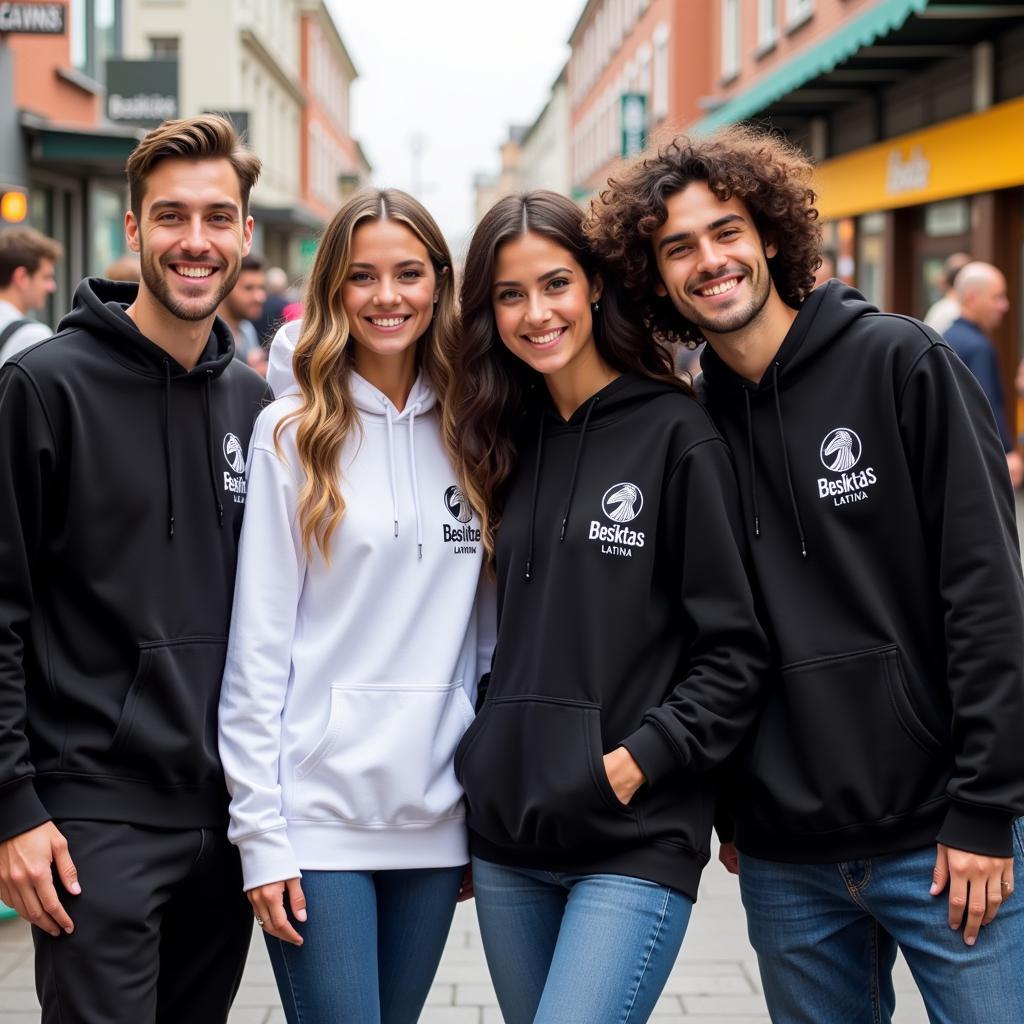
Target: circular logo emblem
[
  {"x": 457, "y": 505},
  {"x": 840, "y": 450},
  {"x": 622, "y": 502},
  {"x": 233, "y": 453}
]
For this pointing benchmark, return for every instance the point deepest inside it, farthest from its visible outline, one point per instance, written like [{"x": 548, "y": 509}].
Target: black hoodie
[
  {"x": 121, "y": 496},
  {"x": 882, "y": 526},
  {"x": 625, "y": 618}
]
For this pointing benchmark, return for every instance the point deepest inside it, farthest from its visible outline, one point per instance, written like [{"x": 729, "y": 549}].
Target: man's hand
[
  {"x": 729, "y": 857},
  {"x": 26, "y": 877},
  {"x": 624, "y": 774},
  {"x": 977, "y": 884},
  {"x": 268, "y": 906}
]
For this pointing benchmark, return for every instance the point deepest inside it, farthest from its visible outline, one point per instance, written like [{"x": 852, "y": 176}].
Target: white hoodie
[{"x": 347, "y": 687}]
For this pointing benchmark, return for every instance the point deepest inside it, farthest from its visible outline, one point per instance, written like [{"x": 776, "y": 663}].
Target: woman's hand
[
  {"x": 624, "y": 774},
  {"x": 268, "y": 905},
  {"x": 466, "y": 885}
]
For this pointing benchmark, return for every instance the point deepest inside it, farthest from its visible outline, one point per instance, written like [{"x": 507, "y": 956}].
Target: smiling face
[
  {"x": 542, "y": 300},
  {"x": 191, "y": 235},
  {"x": 390, "y": 288},
  {"x": 712, "y": 260}
]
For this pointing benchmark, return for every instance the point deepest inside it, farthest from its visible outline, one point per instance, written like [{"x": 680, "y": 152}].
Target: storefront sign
[
  {"x": 32, "y": 19},
  {"x": 142, "y": 92},
  {"x": 634, "y": 122},
  {"x": 977, "y": 153}
]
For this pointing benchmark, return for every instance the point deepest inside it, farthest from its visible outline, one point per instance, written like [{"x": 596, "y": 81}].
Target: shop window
[
  {"x": 952, "y": 217},
  {"x": 164, "y": 47},
  {"x": 871, "y": 257},
  {"x": 95, "y": 35}
]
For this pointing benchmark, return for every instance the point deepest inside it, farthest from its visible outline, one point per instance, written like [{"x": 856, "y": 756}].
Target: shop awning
[
  {"x": 76, "y": 148},
  {"x": 874, "y": 24}
]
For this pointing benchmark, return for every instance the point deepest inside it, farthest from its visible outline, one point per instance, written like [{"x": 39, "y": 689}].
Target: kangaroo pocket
[
  {"x": 167, "y": 732},
  {"x": 840, "y": 744},
  {"x": 534, "y": 777},
  {"x": 385, "y": 757}
]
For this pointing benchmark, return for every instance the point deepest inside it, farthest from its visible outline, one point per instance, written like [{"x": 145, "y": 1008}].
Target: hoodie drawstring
[
  {"x": 391, "y": 466},
  {"x": 753, "y": 470},
  {"x": 785, "y": 461},
  {"x": 528, "y": 573},
  {"x": 575, "y": 467},
  {"x": 415, "y": 483},
  {"x": 410, "y": 412},
  {"x": 209, "y": 450},
  {"x": 167, "y": 448}
]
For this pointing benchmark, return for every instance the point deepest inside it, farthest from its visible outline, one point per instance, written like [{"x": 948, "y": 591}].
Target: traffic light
[{"x": 13, "y": 205}]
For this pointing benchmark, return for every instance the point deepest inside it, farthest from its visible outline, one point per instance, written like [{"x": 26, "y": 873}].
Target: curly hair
[
  {"x": 492, "y": 392},
  {"x": 768, "y": 174}
]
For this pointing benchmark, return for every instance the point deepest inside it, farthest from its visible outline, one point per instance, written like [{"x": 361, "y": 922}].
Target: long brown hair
[
  {"x": 323, "y": 356},
  {"x": 491, "y": 388}
]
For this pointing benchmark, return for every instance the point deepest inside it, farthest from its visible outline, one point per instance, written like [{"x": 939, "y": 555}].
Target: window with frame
[
  {"x": 767, "y": 23},
  {"x": 797, "y": 12},
  {"x": 730, "y": 39},
  {"x": 95, "y": 36}
]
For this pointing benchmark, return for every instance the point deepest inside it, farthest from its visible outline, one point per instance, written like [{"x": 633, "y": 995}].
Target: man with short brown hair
[
  {"x": 27, "y": 260},
  {"x": 122, "y": 488}
]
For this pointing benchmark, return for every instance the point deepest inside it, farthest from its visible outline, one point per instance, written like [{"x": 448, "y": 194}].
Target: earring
[{"x": 595, "y": 306}]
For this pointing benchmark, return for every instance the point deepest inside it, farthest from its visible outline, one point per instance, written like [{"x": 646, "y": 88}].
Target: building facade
[
  {"x": 914, "y": 113},
  {"x": 546, "y": 152}
]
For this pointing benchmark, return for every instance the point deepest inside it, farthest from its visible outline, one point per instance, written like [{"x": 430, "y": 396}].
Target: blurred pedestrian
[
  {"x": 356, "y": 640},
  {"x": 981, "y": 295},
  {"x": 629, "y": 655},
  {"x": 125, "y": 268},
  {"x": 27, "y": 262},
  {"x": 946, "y": 309},
  {"x": 272, "y": 316},
  {"x": 242, "y": 308},
  {"x": 878, "y": 803},
  {"x": 121, "y": 495}
]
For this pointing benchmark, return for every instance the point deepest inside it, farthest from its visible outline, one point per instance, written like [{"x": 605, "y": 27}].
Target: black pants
[{"x": 162, "y": 929}]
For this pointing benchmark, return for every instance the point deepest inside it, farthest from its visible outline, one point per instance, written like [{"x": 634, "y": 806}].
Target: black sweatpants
[{"x": 162, "y": 928}]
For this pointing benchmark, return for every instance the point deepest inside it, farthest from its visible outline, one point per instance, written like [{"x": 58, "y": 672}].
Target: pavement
[{"x": 714, "y": 981}]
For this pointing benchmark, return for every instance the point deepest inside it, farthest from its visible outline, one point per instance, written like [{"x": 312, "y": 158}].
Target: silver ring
[{"x": 259, "y": 920}]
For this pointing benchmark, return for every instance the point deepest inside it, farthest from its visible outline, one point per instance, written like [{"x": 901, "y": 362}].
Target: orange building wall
[
  {"x": 38, "y": 88},
  {"x": 828, "y": 15}
]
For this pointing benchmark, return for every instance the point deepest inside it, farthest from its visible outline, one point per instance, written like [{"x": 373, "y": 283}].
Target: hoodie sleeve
[
  {"x": 486, "y": 636},
  {"x": 708, "y": 711},
  {"x": 27, "y": 461},
  {"x": 967, "y": 510},
  {"x": 269, "y": 577}
]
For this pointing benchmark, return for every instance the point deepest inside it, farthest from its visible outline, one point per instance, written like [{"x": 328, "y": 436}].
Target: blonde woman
[{"x": 356, "y": 639}]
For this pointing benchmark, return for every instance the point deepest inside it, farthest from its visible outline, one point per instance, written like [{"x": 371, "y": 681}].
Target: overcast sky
[{"x": 455, "y": 73}]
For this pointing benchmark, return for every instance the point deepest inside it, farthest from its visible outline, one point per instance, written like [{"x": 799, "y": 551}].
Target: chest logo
[
  {"x": 841, "y": 450},
  {"x": 233, "y": 453},
  {"x": 457, "y": 505},
  {"x": 622, "y": 502}
]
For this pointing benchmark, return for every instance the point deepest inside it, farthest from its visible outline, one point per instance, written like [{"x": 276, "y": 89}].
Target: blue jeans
[
  {"x": 577, "y": 949},
  {"x": 373, "y": 940},
  {"x": 826, "y": 937}
]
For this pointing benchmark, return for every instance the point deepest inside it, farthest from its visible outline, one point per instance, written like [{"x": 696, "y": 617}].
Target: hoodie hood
[
  {"x": 99, "y": 308},
  {"x": 825, "y": 315}
]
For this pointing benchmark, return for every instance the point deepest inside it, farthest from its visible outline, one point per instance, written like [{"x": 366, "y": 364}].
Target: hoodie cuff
[
  {"x": 267, "y": 857},
  {"x": 652, "y": 751},
  {"x": 22, "y": 808},
  {"x": 977, "y": 830}
]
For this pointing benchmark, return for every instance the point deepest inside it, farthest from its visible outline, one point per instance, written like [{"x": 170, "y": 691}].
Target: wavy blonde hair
[{"x": 323, "y": 356}]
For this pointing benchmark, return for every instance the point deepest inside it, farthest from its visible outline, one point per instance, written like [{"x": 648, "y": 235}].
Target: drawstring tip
[
  {"x": 396, "y": 527},
  {"x": 561, "y": 535},
  {"x": 170, "y": 526},
  {"x": 220, "y": 514},
  {"x": 527, "y": 575},
  {"x": 803, "y": 549},
  {"x": 757, "y": 526},
  {"x": 420, "y": 547}
]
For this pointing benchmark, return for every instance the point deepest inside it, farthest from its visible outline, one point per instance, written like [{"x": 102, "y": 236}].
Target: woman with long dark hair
[
  {"x": 628, "y": 654},
  {"x": 356, "y": 635}
]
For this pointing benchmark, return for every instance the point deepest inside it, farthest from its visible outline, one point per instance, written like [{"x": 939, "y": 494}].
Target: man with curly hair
[{"x": 888, "y": 755}]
